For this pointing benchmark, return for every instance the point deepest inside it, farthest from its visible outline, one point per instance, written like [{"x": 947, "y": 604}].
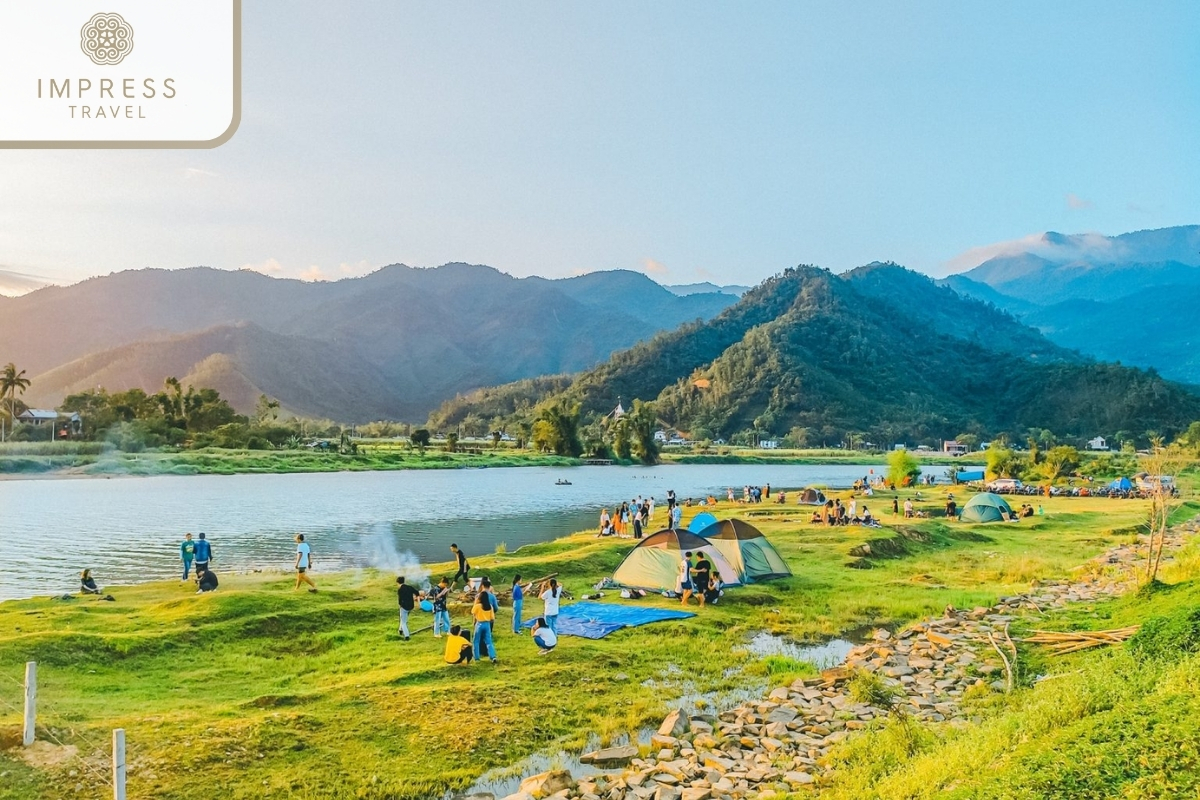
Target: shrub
[
  {"x": 872, "y": 689},
  {"x": 903, "y": 468},
  {"x": 1168, "y": 638}
]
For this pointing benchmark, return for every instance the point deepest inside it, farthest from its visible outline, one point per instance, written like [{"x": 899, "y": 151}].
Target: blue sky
[{"x": 695, "y": 141}]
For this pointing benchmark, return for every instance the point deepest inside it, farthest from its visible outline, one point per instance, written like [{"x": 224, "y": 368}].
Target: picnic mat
[{"x": 597, "y": 620}]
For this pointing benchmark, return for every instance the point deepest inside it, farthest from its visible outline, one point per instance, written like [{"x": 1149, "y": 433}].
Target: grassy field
[{"x": 267, "y": 693}]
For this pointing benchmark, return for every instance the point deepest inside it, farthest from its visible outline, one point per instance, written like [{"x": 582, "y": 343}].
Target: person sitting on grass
[
  {"x": 87, "y": 584},
  {"x": 543, "y": 636},
  {"x": 712, "y": 592},
  {"x": 207, "y": 581},
  {"x": 458, "y": 649}
]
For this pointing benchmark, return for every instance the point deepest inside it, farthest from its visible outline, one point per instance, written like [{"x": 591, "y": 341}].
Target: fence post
[
  {"x": 118, "y": 764},
  {"x": 30, "y": 702}
]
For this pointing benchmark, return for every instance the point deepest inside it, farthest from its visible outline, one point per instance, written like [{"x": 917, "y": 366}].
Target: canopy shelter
[
  {"x": 987, "y": 507},
  {"x": 812, "y": 496},
  {"x": 747, "y": 550},
  {"x": 1121, "y": 485},
  {"x": 701, "y": 521},
  {"x": 654, "y": 563}
]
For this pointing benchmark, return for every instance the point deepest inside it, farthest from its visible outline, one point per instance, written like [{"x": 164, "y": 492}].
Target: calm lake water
[{"x": 128, "y": 529}]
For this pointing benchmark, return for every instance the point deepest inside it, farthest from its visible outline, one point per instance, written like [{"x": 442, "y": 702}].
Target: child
[
  {"x": 458, "y": 649},
  {"x": 543, "y": 636}
]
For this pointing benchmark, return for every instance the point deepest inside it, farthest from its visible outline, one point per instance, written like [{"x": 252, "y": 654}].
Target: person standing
[
  {"x": 637, "y": 523},
  {"x": 441, "y": 615},
  {"x": 187, "y": 553},
  {"x": 203, "y": 554},
  {"x": 407, "y": 598},
  {"x": 484, "y": 614},
  {"x": 549, "y": 600},
  {"x": 685, "y": 577},
  {"x": 895, "y": 506},
  {"x": 908, "y": 509},
  {"x": 650, "y": 509},
  {"x": 303, "y": 562},
  {"x": 676, "y": 516},
  {"x": 518, "y": 596},
  {"x": 464, "y": 569},
  {"x": 701, "y": 576}
]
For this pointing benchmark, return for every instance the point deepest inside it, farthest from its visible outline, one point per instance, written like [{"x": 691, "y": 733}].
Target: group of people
[
  {"x": 834, "y": 512},
  {"x": 633, "y": 517},
  {"x": 198, "y": 553},
  {"x": 481, "y": 642},
  {"x": 697, "y": 580}
]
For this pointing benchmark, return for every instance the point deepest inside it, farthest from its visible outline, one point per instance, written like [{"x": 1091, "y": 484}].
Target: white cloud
[
  {"x": 359, "y": 268},
  {"x": 1077, "y": 203},
  {"x": 652, "y": 267},
  {"x": 196, "y": 172},
  {"x": 269, "y": 267},
  {"x": 313, "y": 273}
]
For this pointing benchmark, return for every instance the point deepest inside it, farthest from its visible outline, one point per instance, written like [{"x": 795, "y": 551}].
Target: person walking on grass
[
  {"x": 464, "y": 569},
  {"x": 550, "y": 599},
  {"x": 204, "y": 554},
  {"x": 441, "y": 615},
  {"x": 685, "y": 577},
  {"x": 484, "y": 614},
  {"x": 187, "y": 553},
  {"x": 518, "y": 597},
  {"x": 407, "y": 597},
  {"x": 303, "y": 562}
]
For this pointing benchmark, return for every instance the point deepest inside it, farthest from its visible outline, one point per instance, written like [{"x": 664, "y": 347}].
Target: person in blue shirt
[
  {"x": 518, "y": 598},
  {"x": 203, "y": 554},
  {"x": 187, "y": 552}
]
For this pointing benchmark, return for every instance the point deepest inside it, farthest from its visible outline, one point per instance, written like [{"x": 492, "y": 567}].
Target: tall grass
[{"x": 54, "y": 448}]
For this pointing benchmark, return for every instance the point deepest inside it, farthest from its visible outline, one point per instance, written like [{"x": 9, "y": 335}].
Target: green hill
[{"x": 882, "y": 352}]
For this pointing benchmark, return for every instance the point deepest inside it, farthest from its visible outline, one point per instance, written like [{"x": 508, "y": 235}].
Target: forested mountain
[
  {"x": 1119, "y": 298},
  {"x": 394, "y": 343},
  {"x": 880, "y": 351}
]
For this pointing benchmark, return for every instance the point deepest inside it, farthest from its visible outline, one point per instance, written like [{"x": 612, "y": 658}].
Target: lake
[{"x": 128, "y": 530}]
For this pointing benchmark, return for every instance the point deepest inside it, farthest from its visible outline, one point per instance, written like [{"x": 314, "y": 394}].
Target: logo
[{"x": 106, "y": 39}]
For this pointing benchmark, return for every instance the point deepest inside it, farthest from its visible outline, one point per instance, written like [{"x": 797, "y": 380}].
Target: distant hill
[
  {"x": 1118, "y": 298},
  {"x": 396, "y": 342},
  {"x": 685, "y": 289},
  {"x": 882, "y": 351},
  {"x": 13, "y": 284}
]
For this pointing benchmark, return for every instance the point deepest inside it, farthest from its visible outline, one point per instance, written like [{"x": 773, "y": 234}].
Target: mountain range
[
  {"x": 1120, "y": 298},
  {"x": 392, "y": 344},
  {"x": 880, "y": 350}
]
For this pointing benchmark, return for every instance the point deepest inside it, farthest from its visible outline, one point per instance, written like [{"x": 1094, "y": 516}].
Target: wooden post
[
  {"x": 118, "y": 764},
  {"x": 30, "y": 702}
]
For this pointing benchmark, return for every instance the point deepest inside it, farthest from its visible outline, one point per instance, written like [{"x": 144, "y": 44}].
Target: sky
[{"x": 689, "y": 140}]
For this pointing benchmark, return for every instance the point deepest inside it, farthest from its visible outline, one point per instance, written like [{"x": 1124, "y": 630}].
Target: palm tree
[{"x": 12, "y": 383}]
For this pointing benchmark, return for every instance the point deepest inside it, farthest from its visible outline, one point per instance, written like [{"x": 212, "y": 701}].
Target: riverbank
[
  {"x": 90, "y": 459},
  {"x": 269, "y": 693}
]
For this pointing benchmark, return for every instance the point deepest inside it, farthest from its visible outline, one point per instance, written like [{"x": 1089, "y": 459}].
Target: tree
[
  {"x": 451, "y": 442},
  {"x": 643, "y": 422},
  {"x": 266, "y": 411},
  {"x": 496, "y": 435},
  {"x": 1060, "y": 462},
  {"x": 1164, "y": 499},
  {"x": 420, "y": 438},
  {"x": 622, "y": 437},
  {"x": 969, "y": 440},
  {"x": 903, "y": 468},
  {"x": 561, "y": 433},
  {"x": 1003, "y": 463},
  {"x": 12, "y": 383}
]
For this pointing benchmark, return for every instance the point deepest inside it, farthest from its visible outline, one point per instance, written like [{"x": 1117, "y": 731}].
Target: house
[
  {"x": 955, "y": 448},
  {"x": 660, "y": 437},
  {"x": 899, "y": 447},
  {"x": 65, "y": 425},
  {"x": 1097, "y": 444},
  {"x": 768, "y": 444}
]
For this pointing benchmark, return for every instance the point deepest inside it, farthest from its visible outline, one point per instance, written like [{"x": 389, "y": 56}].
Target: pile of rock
[{"x": 777, "y": 745}]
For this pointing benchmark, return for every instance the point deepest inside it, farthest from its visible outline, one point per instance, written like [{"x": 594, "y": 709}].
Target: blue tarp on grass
[{"x": 597, "y": 620}]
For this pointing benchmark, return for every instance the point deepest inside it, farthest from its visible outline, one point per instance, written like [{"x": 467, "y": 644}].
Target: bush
[
  {"x": 872, "y": 689},
  {"x": 259, "y": 443},
  {"x": 903, "y": 468},
  {"x": 1168, "y": 638}
]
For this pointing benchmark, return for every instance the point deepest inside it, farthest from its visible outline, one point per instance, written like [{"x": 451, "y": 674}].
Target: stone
[
  {"x": 663, "y": 742},
  {"x": 705, "y": 740},
  {"x": 547, "y": 783},
  {"x": 771, "y": 745},
  {"x": 519, "y": 796},
  {"x": 696, "y": 793},
  {"x": 611, "y": 756},
  {"x": 782, "y": 714},
  {"x": 674, "y": 724},
  {"x": 797, "y": 778}
]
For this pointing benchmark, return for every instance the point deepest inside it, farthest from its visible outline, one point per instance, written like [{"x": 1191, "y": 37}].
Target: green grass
[{"x": 269, "y": 693}]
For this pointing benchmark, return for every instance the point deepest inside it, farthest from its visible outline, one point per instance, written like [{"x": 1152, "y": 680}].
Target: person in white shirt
[
  {"x": 550, "y": 599},
  {"x": 544, "y": 636},
  {"x": 303, "y": 563}
]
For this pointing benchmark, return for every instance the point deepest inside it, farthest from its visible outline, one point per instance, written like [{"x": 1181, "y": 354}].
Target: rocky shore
[{"x": 778, "y": 744}]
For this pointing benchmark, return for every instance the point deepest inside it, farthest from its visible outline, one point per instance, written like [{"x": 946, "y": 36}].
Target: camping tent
[
  {"x": 812, "y": 497},
  {"x": 747, "y": 550},
  {"x": 653, "y": 564},
  {"x": 987, "y": 507},
  {"x": 1121, "y": 485},
  {"x": 701, "y": 521}
]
